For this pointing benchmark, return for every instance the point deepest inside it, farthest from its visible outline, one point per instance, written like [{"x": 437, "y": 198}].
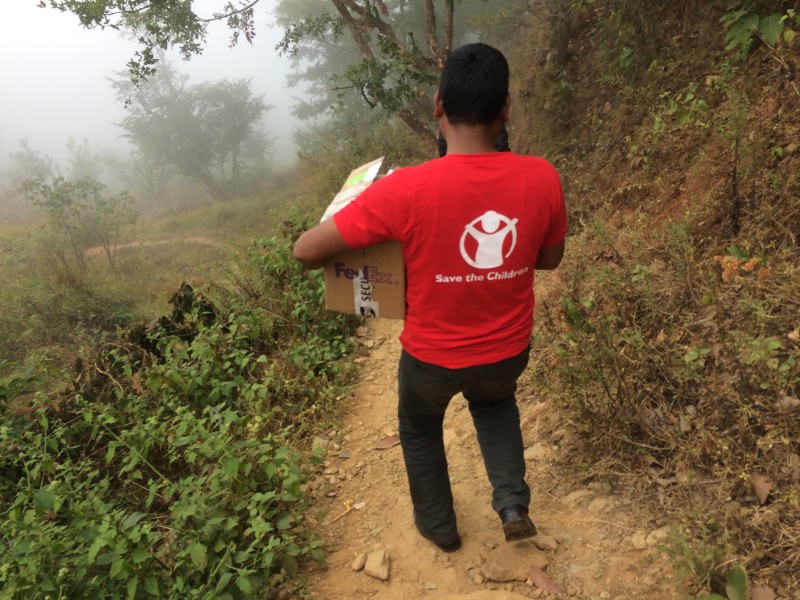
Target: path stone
[
  {"x": 762, "y": 592},
  {"x": 657, "y": 536},
  {"x": 359, "y": 561},
  {"x": 575, "y": 497},
  {"x": 539, "y": 452},
  {"x": 545, "y": 542},
  {"x": 639, "y": 541},
  {"x": 601, "y": 504},
  {"x": 377, "y": 565},
  {"x": 512, "y": 562}
]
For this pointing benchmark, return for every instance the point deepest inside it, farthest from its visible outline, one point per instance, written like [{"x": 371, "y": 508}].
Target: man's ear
[
  {"x": 504, "y": 112},
  {"x": 438, "y": 106}
]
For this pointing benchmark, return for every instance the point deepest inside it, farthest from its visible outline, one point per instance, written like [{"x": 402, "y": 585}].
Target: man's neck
[{"x": 471, "y": 139}]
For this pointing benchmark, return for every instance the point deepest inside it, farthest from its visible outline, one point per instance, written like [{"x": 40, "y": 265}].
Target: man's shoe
[
  {"x": 517, "y": 525},
  {"x": 451, "y": 546}
]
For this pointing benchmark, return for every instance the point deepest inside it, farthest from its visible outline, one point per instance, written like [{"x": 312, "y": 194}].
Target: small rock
[
  {"x": 762, "y": 592},
  {"x": 657, "y": 536},
  {"x": 601, "y": 503},
  {"x": 511, "y": 562},
  {"x": 576, "y": 496},
  {"x": 545, "y": 542},
  {"x": 359, "y": 505},
  {"x": 319, "y": 442},
  {"x": 431, "y": 586},
  {"x": 377, "y": 565},
  {"x": 639, "y": 541},
  {"x": 359, "y": 562},
  {"x": 539, "y": 451}
]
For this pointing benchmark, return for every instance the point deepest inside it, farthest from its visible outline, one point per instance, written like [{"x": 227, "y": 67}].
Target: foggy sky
[{"x": 53, "y": 78}]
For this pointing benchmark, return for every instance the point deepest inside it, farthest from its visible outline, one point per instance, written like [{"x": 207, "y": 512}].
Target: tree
[
  {"x": 398, "y": 46},
  {"x": 79, "y": 216},
  {"x": 392, "y": 71},
  {"x": 208, "y": 132}
]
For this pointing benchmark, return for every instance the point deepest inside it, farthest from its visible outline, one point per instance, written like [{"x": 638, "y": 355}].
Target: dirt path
[
  {"x": 596, "y": 544},
  {"x": 189, "y": 239}
]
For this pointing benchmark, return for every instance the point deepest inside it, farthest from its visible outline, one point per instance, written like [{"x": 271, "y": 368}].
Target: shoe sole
[{"x": 519, "y": 529}]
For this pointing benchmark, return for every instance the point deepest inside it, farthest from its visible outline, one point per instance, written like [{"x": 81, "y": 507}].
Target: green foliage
[
  {"x": 393, "y": 83},
  {"x": 79, "y": 216},
  {"x": 210, "y": 133},
  {"x": 13, "y": 385},
  {"x": 690, "y": 364},
  {"x": 736, "y": 587},
  {"x": 745, "y": 27},
  {"x": 684, "y": 109},
  {"x": 697, "y": 558},
  {"x": 158, "y": 26},
  {"x": 39, "y": 314},
  {"x": 171, "y": 472},
  {"x": 631, "y": 42}
]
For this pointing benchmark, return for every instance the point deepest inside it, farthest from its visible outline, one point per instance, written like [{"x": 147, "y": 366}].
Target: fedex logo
[{"x": 370, "y": 273}]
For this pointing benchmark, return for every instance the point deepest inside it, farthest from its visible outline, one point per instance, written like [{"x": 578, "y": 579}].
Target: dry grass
[{"x": 677, "y": 353}]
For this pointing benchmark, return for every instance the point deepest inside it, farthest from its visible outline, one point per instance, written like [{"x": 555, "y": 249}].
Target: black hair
[
  {"x": 500, "y": 144},
  {"x": 474, "y": 84}
]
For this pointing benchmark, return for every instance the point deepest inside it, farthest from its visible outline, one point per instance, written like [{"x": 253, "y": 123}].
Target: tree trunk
[{"x": 423, "y": 132}]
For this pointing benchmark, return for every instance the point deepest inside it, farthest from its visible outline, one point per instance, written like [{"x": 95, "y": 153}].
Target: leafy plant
[
  {"x": 170, "y": 471},
  {"x": 745, "y": 27},
  {"x": 736, "y": 587},
  {"x": 697, "y": 557},
  {"x": 78, "y": 216},
  {"x": 13, "y": 385}
]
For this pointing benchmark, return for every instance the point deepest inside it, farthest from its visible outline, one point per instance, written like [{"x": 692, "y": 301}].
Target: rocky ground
[{"x": 593, "y": 543}]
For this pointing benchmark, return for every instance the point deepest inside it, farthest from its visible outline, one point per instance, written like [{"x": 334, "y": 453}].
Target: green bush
[
  {"x": 171, "y": 470},
  {"x": 685, "y": 367}
]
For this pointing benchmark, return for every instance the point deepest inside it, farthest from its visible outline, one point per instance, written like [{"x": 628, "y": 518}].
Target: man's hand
[
  {"x": 549, "y": 257},
  {"x": 318, "y": 244}
]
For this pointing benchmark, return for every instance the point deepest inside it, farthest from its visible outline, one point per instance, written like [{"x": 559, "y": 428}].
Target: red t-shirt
[{"x": 471, "y": 226}]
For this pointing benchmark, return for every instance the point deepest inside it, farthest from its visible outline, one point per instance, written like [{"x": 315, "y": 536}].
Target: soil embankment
[{"x": 593, "y": 543}]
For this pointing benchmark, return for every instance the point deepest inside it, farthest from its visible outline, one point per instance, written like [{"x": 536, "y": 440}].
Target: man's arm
[
  {"x": 318, "y": 244},
  {"x": 549, "y": 257}
]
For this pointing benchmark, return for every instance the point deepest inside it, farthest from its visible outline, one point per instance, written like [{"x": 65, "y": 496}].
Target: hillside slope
[{"x": 673, "y": 343}]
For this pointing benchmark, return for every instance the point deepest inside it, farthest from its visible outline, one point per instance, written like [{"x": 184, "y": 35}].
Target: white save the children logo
[{"x": 484, "y": 239}]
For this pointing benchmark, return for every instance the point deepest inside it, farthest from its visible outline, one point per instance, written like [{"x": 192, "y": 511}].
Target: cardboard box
[{"x": 370, "y": 282}]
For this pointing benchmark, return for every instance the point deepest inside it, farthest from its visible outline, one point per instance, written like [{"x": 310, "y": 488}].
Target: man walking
[{"x": 474, "y": 225}]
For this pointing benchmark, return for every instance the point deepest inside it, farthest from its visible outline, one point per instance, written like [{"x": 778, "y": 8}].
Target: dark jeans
[{"x": 425, "y": 390}]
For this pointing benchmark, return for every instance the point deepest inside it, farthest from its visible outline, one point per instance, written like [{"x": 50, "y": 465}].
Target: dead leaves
[
  {"x": 542, "y": 580},
  {"x": 389, "y": 441},
  {"x": 762, "y": 486}
]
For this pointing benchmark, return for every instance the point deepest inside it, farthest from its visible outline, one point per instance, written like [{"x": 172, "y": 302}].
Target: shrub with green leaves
[
  {"x": 685, "y": 368},
  {"x": 172, "y": 471}
]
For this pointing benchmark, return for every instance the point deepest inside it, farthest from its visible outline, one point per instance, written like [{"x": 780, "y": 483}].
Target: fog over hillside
[{"x": 54, "y": 79}]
